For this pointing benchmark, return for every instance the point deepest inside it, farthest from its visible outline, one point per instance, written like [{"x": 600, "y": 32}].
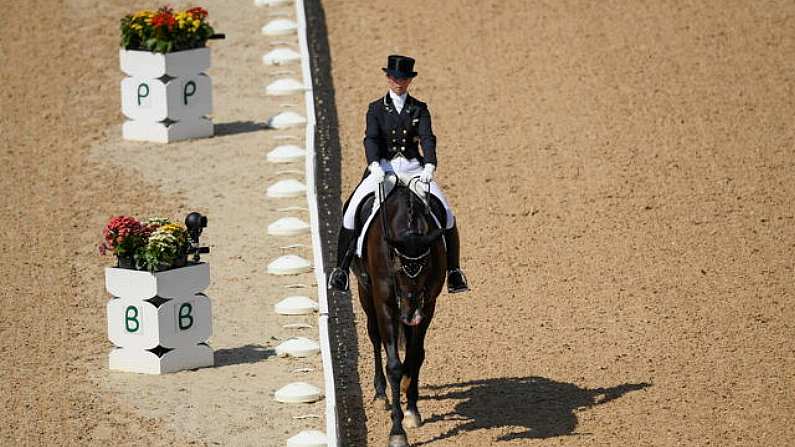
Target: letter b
[
  {"x": 185, "y": 316},
  {"x": 131, "y": 322}
]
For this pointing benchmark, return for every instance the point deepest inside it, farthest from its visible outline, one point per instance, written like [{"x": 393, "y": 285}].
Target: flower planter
[
  {"x": 159, "y": 322},
  {"x": 166, "y": 96}
]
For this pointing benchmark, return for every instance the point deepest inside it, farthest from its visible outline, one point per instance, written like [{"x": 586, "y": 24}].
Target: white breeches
[{"x": 405, "y": 170}]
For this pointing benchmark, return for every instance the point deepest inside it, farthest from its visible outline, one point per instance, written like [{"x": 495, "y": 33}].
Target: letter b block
[
  {"x": 172, "y": 323},
  {"x": 159, "y": 322}
]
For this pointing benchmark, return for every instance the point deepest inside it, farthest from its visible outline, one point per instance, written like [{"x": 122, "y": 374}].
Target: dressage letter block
[
  {"x": 173, "y": 323},
  {"x": 166, "y": 96},
  {"x": 159, "y": 320},
  {"x": 179, "y": 99}
]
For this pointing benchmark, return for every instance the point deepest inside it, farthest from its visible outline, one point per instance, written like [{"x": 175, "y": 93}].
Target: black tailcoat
[{"x": 389, "y": 133}]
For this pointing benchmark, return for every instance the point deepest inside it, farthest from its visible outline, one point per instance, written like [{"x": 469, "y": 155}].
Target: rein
[{"x": 382, "y": 205}]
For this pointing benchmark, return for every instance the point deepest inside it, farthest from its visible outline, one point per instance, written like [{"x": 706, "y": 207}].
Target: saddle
[{"x": 368, "y": 207}]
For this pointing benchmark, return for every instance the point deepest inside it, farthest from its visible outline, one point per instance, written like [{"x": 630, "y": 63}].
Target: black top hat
[{"x": 400, "y": 67}]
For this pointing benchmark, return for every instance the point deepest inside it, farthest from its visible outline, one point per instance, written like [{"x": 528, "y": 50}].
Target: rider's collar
[{"x": 389, "y": 103}]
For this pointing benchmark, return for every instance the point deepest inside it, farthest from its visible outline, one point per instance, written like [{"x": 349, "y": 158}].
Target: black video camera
[{"x": 195, "y": 223}]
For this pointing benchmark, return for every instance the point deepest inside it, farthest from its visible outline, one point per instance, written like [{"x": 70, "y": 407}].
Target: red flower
[
  {"x": 198, "y": 12},
  {"x": 164, "y": 17},
  {"x": 118, "y": 231}
]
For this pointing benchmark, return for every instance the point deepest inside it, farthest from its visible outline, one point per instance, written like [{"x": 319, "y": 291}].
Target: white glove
[
  {"x": 377, "y": 172},
  {"x": 427, "y": 173}
]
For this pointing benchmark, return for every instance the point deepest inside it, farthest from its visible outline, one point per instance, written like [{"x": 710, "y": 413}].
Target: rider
[{"x": 395, "y": 124}]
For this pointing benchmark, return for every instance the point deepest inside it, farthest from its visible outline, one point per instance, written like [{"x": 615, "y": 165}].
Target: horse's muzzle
[{"x": 415, "y": 320}]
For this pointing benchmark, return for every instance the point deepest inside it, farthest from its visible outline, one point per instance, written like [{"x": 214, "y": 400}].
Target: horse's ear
[{"x": 431, "y": 237}]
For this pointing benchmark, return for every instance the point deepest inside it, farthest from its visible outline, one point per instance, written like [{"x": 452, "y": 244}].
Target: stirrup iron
[
  {"x": 336, "y": 276},
  {"x": 459, "y": 284}
]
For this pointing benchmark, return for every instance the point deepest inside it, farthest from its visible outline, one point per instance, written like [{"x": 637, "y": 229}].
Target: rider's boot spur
[{"x": 338, "y": 278}]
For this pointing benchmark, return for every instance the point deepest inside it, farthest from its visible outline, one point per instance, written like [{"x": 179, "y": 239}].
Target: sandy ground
[
  {"x": 70, "y": 171},
  {"x": 622, "y": 176}
]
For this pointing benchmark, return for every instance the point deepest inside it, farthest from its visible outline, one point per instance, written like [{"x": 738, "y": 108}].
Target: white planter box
[
  {"x": 145, "y": 64},
  {"x": 159, "y": 322},
  {"x": 166, "y": 96}
]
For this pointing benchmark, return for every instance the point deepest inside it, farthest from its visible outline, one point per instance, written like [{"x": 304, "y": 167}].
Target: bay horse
[{"x": 400, "y": 274}]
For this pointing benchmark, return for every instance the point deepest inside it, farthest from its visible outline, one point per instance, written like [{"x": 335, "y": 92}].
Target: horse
[{"x": 400, "y": 274}]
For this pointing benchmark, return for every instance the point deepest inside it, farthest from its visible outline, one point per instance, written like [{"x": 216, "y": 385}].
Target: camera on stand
[{"x": 195, "y": 223}]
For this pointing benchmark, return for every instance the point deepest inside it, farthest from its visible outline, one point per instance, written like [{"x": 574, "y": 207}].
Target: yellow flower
[
  {"x": 144, "y": 13},
  {"x": 171, "y": 227},
  {"x": 177, "y": 230}
]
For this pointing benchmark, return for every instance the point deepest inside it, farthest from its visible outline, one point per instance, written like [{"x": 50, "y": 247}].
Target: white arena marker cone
[
  {"x": 286, "y": 153},
  {"x": 286, "y": 188},
  {"x": 271, "y": 2},
  {"x": 297, "y": 347},
  {"x": 297, "y": 393},
  {"x": 308, "y": 438},
  {"x": 281, "y": 56},
  {"x": 288, "y": 226},
  {"x": 289, "y": 265},
  {"x": 283, "y": 87},
  {"x": 295, "y": 305},
  {"x": 285, "y": 120},
  {"x": 279, "y": 27}
]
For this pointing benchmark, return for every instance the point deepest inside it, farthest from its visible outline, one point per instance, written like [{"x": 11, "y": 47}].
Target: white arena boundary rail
[
  {"x": 332, "y": 431},
  {"x": 345, "y": 418}
]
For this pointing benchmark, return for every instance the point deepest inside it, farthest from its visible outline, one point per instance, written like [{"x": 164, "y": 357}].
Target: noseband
[{"x": 410, "y": 266}]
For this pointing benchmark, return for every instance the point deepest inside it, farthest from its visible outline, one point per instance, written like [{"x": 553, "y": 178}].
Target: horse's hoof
[
  {"x": 383, "y": 401},
  {"x": 398, "y": 441},
  {"x": 412, "y": 419}
]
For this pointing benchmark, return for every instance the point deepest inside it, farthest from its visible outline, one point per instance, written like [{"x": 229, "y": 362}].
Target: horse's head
[{"x": 414, "y": 242}]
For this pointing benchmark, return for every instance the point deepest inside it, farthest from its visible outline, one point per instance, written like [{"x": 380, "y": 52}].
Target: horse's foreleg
[
  {"x": 379, "y": 380},
  {"x": 414, "y": 358},
  {"x": 397, "y": 436},
  {"x": 408, "y": 361}
]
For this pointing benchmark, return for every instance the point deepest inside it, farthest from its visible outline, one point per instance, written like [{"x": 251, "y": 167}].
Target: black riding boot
[
  {"x": 338, "y": 278},
  {"x": 456, "y": 281}
]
